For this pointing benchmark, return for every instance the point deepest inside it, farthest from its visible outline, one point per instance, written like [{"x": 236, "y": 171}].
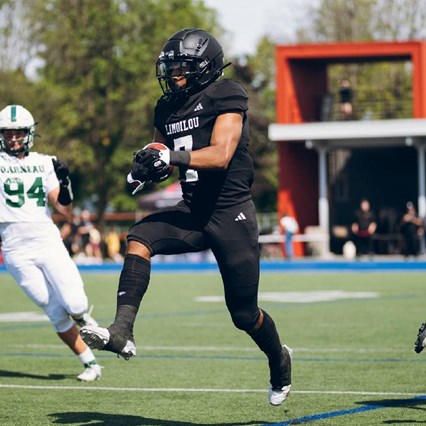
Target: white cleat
[
  {"x": 90, "y": 373},
  {"x": 95, "y": 337},
  {"x": 277, "y": 395},
  {"x": 101, "y": 339}
]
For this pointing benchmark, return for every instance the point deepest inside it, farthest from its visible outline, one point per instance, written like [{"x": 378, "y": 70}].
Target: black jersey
[{"x": 188, "y": 125}]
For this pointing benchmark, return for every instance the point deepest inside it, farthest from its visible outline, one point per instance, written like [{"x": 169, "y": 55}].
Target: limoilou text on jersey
[{"x": 182, "y": 126}]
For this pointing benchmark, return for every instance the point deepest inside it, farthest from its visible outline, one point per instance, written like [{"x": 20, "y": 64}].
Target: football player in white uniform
[{"x": 32, "y": 247}]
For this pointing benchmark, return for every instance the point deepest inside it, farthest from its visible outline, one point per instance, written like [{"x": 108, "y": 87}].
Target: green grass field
[{"x": 354, "y": 362}]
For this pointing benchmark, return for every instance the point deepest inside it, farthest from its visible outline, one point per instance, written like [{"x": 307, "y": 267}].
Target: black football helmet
[{"x": 193, "y": 53}]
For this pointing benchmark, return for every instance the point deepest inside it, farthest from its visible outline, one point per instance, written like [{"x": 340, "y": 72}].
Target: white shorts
[{"x": 49, "y": 277}]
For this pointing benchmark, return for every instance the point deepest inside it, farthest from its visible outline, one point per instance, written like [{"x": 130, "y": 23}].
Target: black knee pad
[{"x": 245, "y": 319}]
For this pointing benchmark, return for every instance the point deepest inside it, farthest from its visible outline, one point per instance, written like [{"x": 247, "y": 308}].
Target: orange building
[{"x": 383, "y": 160}]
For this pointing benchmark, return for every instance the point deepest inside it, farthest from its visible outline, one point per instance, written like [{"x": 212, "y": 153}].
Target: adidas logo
[
  {"x": 199, "y": 107},
  {"x": 240, "y": 217}
]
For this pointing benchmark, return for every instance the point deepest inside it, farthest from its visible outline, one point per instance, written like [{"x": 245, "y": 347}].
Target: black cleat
[
  {"x": 101, "y": 338},
  {"x": 421, "y": 339}
]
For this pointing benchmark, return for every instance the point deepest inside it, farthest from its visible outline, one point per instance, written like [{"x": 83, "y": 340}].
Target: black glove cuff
[
  {"x": 65, "y": 196},
  {"x": 180, "y": 158}
]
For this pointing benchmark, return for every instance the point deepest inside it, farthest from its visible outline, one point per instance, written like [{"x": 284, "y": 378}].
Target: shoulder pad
[{"x": 228, "y": 95}]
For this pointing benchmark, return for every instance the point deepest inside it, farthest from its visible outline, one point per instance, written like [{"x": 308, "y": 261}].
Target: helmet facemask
[
  {"x": 15, "y": 141},
  {"x": 168, "y": 72}
]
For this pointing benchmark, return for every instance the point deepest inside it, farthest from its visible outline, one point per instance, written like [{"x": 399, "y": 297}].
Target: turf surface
[{"x": 354, "y": 362}]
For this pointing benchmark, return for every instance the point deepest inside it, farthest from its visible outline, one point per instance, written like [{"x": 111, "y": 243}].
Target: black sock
[
  {"x": 125, "y": 317},
  {"x": 268, "y": 340},
  {"x": 134, "y": 280}
]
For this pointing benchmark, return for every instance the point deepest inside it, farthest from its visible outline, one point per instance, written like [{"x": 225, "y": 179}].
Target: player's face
[
  {"x": 176, "y": 74},
  {"x": 178, "y": 77},
  {"x": 14, "y": 138}
]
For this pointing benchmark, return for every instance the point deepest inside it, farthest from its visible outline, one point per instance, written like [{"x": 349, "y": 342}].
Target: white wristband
[{"x": 165, "y": 156}]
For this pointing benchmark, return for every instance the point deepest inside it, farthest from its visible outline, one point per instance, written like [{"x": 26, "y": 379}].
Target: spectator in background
[
  {"x": 84, "y": 226},
  {"x": 68, "y": 235},
  {"x": 93, "y": 248},
  {"x": 363, "y": 227},
  {"x": 412, "y": 229},
  {"x": 345, "y": 99},
  {"x": 290, "y": 227},
  {"x": 113, "y": 245}
]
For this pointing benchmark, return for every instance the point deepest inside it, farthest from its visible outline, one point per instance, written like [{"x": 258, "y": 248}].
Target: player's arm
[
  {"x": 158, "y": 137},
  {"x": 66, "y": 210},
  {"x": 223, "y": 143},
  {"x": 61, "y": 196},
  {"x": 372, "y": 228}
]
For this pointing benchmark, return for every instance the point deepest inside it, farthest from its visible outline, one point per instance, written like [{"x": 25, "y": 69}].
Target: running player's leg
[
  {"x": 169, "y": 231},
  {"x": 64, "y": 277},
  {"x": 37, "y": 287},
  {"x": 235, "y": 246}
]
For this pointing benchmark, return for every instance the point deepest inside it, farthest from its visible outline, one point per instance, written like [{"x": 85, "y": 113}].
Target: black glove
[
  {"x": 62, "y": 171},
  {"x": 147, "y": 165}
]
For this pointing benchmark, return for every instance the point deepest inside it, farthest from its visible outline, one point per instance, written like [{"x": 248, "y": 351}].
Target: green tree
[
  {"x": 91, "y": 86},
  {"x": 96, "y": 87},
  {"x": 16, "y": 53},
  {"x": 382, "y": 90}
]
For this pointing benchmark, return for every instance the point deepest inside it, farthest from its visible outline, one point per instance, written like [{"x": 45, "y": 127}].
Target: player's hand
[
  {"x": 62, "y": 171},
  {"x": 150, "y": 164},
  {"x": 140, "y": 169}
]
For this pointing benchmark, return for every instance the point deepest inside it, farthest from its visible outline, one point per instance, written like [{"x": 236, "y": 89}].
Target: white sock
[{"x": 87, "y": 357}]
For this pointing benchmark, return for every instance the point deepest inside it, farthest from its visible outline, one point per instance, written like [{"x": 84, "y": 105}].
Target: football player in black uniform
[{"x": 202, "y": 119}]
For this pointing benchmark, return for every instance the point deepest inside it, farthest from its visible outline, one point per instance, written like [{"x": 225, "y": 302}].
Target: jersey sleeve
[
  {"x": 51, "y": 178},
  {"x": 229, "y": 96}
]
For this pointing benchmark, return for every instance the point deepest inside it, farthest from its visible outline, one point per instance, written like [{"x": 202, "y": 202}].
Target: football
[{"x": 160, "y": 147}]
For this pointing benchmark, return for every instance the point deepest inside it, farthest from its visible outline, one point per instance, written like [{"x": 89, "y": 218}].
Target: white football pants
[{"x": 50, "y": 278}]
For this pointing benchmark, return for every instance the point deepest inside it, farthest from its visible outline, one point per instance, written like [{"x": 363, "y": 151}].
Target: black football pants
[{"x": 230, "y": 233}]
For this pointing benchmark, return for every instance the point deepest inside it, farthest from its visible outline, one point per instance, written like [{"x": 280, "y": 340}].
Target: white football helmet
[{"x": 16, "y": 117}]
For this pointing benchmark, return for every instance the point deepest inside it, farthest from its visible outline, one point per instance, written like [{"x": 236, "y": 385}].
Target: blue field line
[
  {"x": 339, "y": 413},
  {"x": 158, "y": 356},
  {"x": 296, "y": 265}
]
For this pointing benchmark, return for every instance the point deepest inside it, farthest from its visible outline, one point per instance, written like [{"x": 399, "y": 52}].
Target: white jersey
[
  {"x": 24, "y": 212},
  {"x": 24, "y": 187}
]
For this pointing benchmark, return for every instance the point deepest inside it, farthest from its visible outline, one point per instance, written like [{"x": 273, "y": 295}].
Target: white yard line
[
  {"x": 118, "y": 389},
  {"x": 225, "y": 349}
]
